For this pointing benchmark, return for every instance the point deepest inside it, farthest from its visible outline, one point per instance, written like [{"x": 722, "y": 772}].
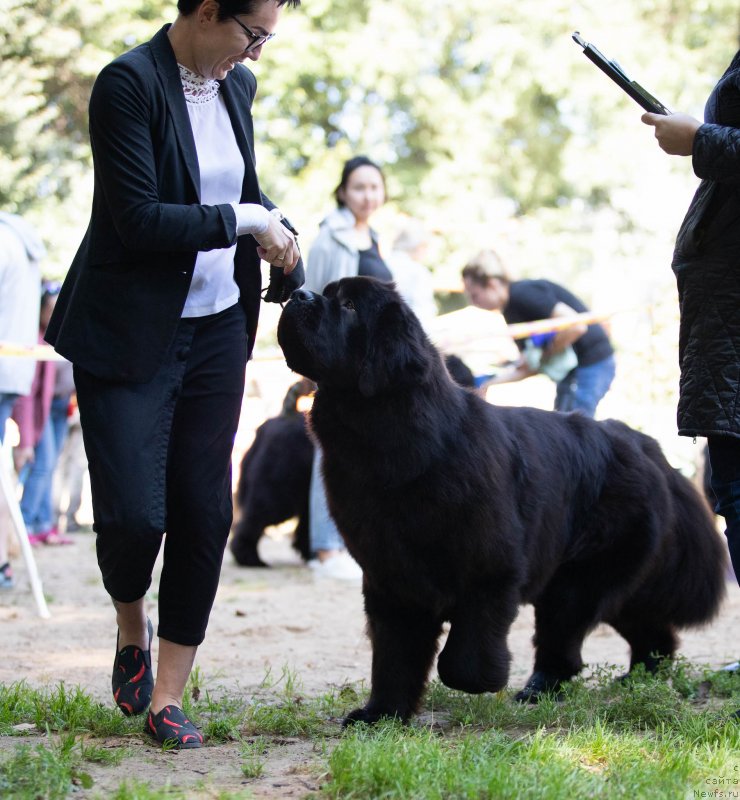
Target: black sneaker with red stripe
[
  {"x": 172, "y": 727},
  {"x": 132, "y": 680}
]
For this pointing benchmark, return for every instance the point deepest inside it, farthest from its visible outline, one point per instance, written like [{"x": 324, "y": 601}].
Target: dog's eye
[{"x": 348, "y": 304}]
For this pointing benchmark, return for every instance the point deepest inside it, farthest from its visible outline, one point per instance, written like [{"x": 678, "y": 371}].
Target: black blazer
[{"x": 126, "y": 288}]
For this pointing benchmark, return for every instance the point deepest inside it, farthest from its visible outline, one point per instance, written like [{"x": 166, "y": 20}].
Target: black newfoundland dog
[{"x": 459, "y": 511}]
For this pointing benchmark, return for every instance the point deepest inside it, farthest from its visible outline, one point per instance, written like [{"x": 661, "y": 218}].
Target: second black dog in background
[{"x": 274, "y": 476}]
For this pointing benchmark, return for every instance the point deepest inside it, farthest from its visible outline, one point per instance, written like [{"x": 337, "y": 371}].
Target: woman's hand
[
  {"x": 675, "y": 132},
  {"x": 277, "y": 245}
]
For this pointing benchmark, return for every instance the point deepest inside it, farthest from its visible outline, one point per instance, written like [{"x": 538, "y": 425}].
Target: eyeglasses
[{"x": 258, "y": 39}]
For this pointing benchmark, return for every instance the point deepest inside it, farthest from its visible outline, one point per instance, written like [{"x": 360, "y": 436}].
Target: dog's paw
[
  {"x": 366, "y": 715},
  {"x": 246, "y": 556},
  {"x": 539, "y": 684}
]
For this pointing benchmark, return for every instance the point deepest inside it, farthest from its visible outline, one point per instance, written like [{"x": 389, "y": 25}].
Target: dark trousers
[
  {"x": 724, "y": 458},
  {"x": 159, "y": 456}
]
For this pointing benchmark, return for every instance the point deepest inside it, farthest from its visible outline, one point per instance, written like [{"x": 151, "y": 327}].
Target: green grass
[
  {"x": 252, "y": 756},
  {"x": 596, "y": 761},
  {"x": 60, "y": 709},
  {"x": 134, "y": 790},
  {"x": 642, "y": 702},
  {"x": 662, "y": 736},
  {"x": 279, "y": 709},
  {"x": 51, "y": 771}
]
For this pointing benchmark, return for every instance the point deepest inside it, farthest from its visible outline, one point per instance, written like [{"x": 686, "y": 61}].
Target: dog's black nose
[{"x": 302, "y": 295}]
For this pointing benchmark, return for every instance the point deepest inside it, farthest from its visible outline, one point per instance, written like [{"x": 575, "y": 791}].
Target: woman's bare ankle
[
  {"x": 132, "y": 624},
  {"x": 160, "y": 700}
]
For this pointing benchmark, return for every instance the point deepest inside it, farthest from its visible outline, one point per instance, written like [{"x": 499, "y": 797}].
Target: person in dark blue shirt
[{"x": 579, "y": 357}]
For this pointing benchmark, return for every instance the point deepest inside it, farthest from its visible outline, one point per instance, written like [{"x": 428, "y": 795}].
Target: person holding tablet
[{"x": 706, "y": 262}]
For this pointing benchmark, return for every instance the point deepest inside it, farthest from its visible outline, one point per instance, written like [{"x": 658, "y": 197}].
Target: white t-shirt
[
  {"x": 20, "y": 297},
  {"x": 213, "y": 287}
]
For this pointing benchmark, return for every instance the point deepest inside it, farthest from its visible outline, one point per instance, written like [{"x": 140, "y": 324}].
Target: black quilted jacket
[{"x": 706, "y": 261}]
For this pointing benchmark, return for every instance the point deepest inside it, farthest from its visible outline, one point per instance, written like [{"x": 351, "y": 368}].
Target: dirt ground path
[{"x": 263, "y": 620}]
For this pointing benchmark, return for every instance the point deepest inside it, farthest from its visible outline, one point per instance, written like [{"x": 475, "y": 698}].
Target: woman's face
[
  {"x": 363, "y": 193},
  {"x": 221, "y": 44}
]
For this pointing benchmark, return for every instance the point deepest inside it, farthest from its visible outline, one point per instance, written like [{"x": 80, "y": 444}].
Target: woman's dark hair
[
  {"x": 349, "y": 167},
  {"x": 228, "y": 8}
]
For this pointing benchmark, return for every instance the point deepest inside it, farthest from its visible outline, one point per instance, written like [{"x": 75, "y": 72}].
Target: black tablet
[{"x": 618, "y": 75}]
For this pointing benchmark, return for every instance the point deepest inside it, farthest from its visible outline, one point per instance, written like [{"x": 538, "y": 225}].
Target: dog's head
[{"x": 358, "y": 335}]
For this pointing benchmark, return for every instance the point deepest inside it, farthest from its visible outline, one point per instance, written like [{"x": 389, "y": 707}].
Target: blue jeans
[
  {"x": 36, "y": 479},
  {"x": 58, "y": 417},
  {"x": 37, "y": 505},
  {"x": 7, "y": 401},
  {"x": 323, "y": 533},
  {"x": 724, "y": 458},
  {"x": 583, "y": 389}
]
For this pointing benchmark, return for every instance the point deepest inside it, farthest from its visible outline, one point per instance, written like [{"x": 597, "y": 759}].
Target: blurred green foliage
[
  {"x": 493, "y": 127},
  {"x": 482, "y": 112},
  {"x": 467, "y": 103}
]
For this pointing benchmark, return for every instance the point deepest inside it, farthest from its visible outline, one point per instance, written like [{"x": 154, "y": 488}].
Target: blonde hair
[{"x": 484, "y": 266}]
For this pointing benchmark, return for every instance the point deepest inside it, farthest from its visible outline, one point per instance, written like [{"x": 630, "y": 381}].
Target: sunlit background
[{"x": 493, "y": 128}]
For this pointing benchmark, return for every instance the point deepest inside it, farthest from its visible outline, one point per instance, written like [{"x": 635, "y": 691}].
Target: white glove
[{"x": 251, "y": 218}]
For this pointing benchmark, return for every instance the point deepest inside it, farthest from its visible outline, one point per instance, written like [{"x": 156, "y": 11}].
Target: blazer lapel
[
  {"x": 169, "y": 74},
  {"x": 250, "y": 187}
]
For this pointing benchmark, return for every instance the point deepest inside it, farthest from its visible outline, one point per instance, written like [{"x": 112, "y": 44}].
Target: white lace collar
[{"x": 197, "y": 88}]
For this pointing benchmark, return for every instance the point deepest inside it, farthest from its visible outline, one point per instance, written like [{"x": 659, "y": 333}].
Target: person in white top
[
  {"x": 158, "y": 314},
  {"x": 412, "y": 277},
  {"x": 21, "y": 251}
]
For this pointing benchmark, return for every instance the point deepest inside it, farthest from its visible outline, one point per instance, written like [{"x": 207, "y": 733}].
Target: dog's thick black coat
[
  {"x": 273, "y": 487},
  {"x": 459, "y": 511},
  {"x": 275, "y": 476}
]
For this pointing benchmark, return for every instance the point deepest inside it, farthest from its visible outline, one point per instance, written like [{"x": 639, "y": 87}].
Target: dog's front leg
[
  {"x": 404, "y": 642},
  {"x": 476, "y": 657}
]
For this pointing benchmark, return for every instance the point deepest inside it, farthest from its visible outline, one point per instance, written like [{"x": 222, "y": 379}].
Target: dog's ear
[
  {"x": 398, "y": 351},
  {"x": 330, "y": 290}
]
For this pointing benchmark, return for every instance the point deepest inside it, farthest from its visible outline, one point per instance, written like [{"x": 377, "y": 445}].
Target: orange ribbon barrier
[
  {"x": 521, "y": 330},
  {"x": 38, "y": 352}
]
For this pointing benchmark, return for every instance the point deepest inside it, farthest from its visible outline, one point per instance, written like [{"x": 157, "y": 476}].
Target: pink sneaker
[
  {"x": 54, "y": 537},
  {"x": 51, "y": 537}
]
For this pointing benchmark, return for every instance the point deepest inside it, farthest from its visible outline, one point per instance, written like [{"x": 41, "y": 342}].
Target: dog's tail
[
  {"x": 688, "y": 583},
  {"x": 700, "y": 555}
]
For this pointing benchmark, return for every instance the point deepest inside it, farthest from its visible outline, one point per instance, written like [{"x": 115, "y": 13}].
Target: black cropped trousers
[
  {"x": 159, "y": 456},
  {"x": 724, "y": 458}
]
